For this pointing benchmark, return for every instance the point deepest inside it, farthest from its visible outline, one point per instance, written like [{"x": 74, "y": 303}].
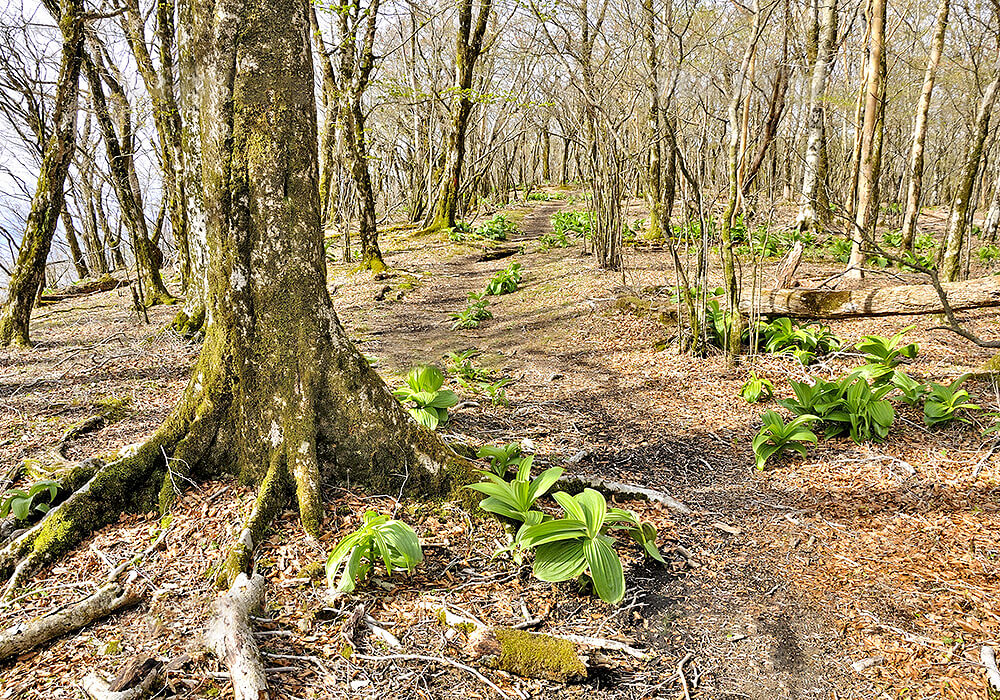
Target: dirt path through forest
[{"x": 582, "y": 386}]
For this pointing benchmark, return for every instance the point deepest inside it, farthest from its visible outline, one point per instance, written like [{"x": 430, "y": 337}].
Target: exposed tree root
[
  {"x": 111, "y": 597},
  {"x": 230, "y": 638}
]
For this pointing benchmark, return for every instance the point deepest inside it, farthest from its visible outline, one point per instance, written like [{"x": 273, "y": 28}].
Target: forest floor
[{"x": 883, "y": 555}]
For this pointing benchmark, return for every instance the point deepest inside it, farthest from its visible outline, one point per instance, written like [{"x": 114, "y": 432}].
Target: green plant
[
  {"x": 892, "y": 238},
  {"x": 461, "y": 231},
  {"x": 756, "y": 388},
  {"x": 816, "y": 399},
  {"x": 501, "y": 458},
  {"x": 499, "y": 228},
  {"x": 577, "y": 545},
  {"x": 460, "y": 364},
  {"x": 430, "y": 403},
  {"x": 379, "y": 537},
  {"x": 988, "y": 254},
  {"x": 473, "y": 314},
  {"x": 505, "y": 281},
  {"x": 784, "y": 336},
  {"x": 537, "y": 197},
  {"x": 887, "y": 352},
  {"x": 947, "y": 403},
  {"x": 776, "y": 436},
  {"x": 497, "y": 391},
  {"x": 37, "y": 499},
  {"x": 863, "y": 411},
  {"x": 913, "y": 392},
  {"x": 579, "y": 223},
  {"x": 840, "y": 249},
  {"x": 548, "y": 241},
  {"x": 515, "y": 499}
]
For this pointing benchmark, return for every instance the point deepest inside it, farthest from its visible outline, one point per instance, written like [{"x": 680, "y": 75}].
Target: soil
[{"x": 777, "y": 582}]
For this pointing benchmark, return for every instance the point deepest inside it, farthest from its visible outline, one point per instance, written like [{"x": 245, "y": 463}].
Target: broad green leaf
[
  {"x": 569, "y": 504},
  {"x": 554, "y": 531},
  {"x": 426, "y": 417},
  {"x": 605, "y": 569},
  {"x": 544, "y": 481},
  {"x": 559, "y": 561},
  {"x": 445, "y": 398},
  {"x": 595, "y": 508}
]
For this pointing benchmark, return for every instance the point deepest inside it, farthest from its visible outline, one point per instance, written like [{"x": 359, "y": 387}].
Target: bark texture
[
  {"x": 909, "y": 299},
  {"x": 230, "y": 637},
  {"x": 48, "y": 200}
]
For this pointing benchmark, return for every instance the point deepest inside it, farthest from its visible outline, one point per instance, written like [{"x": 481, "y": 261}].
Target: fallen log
[
  {"x": 110, "y": 598},
  {"x": 230, "y": 638},
  {"x": 907, "y": 299},
  {"x": 527, "y": 654},
  {"x": 85, "y": 287}
]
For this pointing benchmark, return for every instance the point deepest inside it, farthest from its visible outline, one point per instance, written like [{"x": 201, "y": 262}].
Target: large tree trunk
[
  {"x": 908, "y": 299},
  {"x": 958, "y": 220},
  {"x": 278, "y": 389},
  {"x": 813, "y": 214},
  {"x": 913, "y": 191},
  {"x": 47, "y": 202},
  {"x": 870, "y": 155}
]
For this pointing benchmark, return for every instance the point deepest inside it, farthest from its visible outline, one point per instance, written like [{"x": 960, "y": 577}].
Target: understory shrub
[
  {"x": 379, "y": 538},
  {"x": 429, "y": 403}
]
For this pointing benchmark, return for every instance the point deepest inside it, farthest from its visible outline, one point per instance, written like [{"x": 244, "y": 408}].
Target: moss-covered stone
[{"x": 528, "y": 654}]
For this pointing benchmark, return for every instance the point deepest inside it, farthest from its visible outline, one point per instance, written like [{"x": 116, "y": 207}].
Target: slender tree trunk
[
  {"x": 871, "y": 137},
  {"x": 148, "y": 258},
  {"x": 79, "y": 262},
  {"x": 469, "y": 45},
  {"x": 913, "y": 191},
  {"x": 654, "y": 130},
  {"x": 47, "y": 202},
  {"x": 812, "y": 215},
  {"x": 957, "y": 222}
]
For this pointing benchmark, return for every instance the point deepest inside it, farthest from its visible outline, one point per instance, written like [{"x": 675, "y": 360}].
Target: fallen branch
[
  {"x": 989, "y": 659},
  {"x": 600, "y": 643},
  {"x": 110, "y": 598},
  {"x": 576, "y": 483},
  {"x": 907, "y": 299},
  {"x": 229, "y": 637},
  {"x": 84, "y": 288}
]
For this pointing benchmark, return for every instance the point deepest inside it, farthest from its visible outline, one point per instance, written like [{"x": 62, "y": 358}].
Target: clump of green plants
[
  {"x": 379, "y": 538},
  {"x": 461, "y": 231},
  {"x": 839, "y": 249},
  {"x": 756, "y": 389},
  {"x": 428, "y": 402},
  {"x": 776, "y": 437},
  {"x": 551, "y": 240},
  {"x": 502, "y": 457},
  {"x": 460, "y": 364},
  {"x": 805, "y": 342},
  {"x": 515, "y": 499},
  {"x": 988, "y": 254},
  {"x": 883, "y": 355},
  {"x": 578, "y": 223},
  {"x": 505, "y": 281},
  {"x": 537, "y": 197},
  {"x": 497, "y": 391},
  {"x": 578, "y": 545},
  {"x": 473, "y": 314},
  {"x": 850, "y": 405},
  {"x": 499, "y": 228},
  {"x": 945, "y": 403},
  {"x": 37, "y": 499}
]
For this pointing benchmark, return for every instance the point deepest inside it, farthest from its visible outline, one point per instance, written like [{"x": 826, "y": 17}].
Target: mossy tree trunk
[
  {"x": 118, "y": 146},
  {"x": 913, "y": 191},
  {"x": 278, "y": 388},
  {"x": 958, "y": 220},
  {"x": 356, "y": 64},
  {"x": 47, "y": 202},
  {"x": 468, "y": 47},
  {"x": 79, "y": 262}
]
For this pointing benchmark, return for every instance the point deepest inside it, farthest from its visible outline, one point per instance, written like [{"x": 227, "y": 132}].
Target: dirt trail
[{"x": 583, "y": 385}]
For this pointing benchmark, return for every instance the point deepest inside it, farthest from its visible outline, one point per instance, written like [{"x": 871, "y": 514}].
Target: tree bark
[
  {"x": 79, "y": 262},
  {"x": 230, "y": 637},
  {"x": 47, "y": 202},
  {"x": 913, "y": 190},
  {"x": 909, "y": 299},
  {"x": 278, "y": 389},
  {"x": 813, "y": 214},
  {"x": 958, "y": 220},
  {"x": 870, "y": 158},
  {"x": 468, "y": 47}
]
